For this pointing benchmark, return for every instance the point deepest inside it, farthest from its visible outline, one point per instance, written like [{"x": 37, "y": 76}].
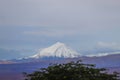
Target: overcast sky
[{"x": 81, "y": 24}]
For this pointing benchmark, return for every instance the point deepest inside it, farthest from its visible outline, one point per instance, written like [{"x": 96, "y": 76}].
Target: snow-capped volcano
[{"x": 57, "y": 50}]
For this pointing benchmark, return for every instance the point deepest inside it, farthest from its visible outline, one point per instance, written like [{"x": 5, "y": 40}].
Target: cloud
[
  {"x": 102, "y": 54},
  {"x": 112, "y": 45},
  {"x": 9, "y": 54},
  {"x": 51, "y": 32},
  {"x": 6, "y": 54},
  {"x": 104, "y": 49},
  {"x": 75, "y": 17},
  {"x": 104, "y": 44},
  {"x": 85, "y": 13}
]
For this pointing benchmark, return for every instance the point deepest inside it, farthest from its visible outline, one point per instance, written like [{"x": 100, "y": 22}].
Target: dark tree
[{"x": 71, "y": 71}]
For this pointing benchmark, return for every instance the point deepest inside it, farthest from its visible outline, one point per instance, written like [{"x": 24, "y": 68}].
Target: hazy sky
[{"x": 82, "y": 24}]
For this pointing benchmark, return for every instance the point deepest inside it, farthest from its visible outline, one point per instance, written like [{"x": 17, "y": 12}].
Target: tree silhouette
[{"x": 71, "y": 71}]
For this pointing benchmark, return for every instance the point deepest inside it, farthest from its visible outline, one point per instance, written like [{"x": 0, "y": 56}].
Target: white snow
[{"x": 56, "y": 50}]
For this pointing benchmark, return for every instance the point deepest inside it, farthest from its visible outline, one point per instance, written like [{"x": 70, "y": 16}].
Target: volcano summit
[{"x": 59, "y": 50}]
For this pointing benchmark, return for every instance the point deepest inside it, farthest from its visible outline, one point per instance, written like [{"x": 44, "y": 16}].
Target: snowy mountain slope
[{"x": 57, "y": 50}]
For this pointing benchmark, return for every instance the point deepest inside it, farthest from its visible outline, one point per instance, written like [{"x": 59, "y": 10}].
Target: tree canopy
[{"x": 71, "y": 71}]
